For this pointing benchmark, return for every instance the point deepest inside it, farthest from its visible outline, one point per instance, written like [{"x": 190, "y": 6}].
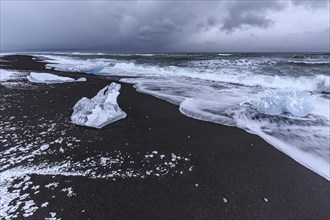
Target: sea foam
[{"x": 305, "y": 139}]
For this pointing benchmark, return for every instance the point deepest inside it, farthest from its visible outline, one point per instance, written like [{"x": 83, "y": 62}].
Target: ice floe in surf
[
  {"x": 99, "y": 111},
  {"x": 70, "y": 64},
  {"x": 225, "y": 54},
  {"x": 276, "y": 102},
  {"x": 49, "y": 78}
]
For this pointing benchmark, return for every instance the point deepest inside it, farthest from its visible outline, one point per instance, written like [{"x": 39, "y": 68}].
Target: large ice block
[
  {"x": 297, "y": 103},
  {"x": 100, "y": 110}
]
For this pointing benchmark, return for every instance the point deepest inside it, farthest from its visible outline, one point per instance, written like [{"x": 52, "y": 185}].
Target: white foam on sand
[
  {"x": 49, "y": 78},
  {"x": 300, "y": 130},
  {"x": 99, "y": 111}
]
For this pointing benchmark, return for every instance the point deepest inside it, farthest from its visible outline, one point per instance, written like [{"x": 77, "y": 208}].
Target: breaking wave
[{"x": 313, "y": 83}]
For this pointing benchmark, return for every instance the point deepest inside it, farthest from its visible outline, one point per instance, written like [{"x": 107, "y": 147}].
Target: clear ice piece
[
  {"x": 296, "y": 103},
  {"x": 100, "y": 110}
]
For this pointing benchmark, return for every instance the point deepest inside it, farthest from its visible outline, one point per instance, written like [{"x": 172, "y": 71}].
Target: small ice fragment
[
  {"x": 155, "y": 152},
  {"x": 104, "y": 161},
  {"x": 224, "y": 200},
  {"x": 196, "y": 185},
  {"x": 81, "y": 79},
  {"x": 99, "y": 111},
  {"x": 44, "y": 205},
  {"x": 265, "y": 199},
  {"x": 69, "y": 191},
  {"x": 173, "y": 157},
  {"x": 44, "y": 147},
  {"x": 51, "y": 185}
]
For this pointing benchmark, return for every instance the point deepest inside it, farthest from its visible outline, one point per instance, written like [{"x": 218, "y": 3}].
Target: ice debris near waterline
[
  {"x": 71, "y": 64},
  {"x": 99, "y": 111},
  {"x": 49, "y": 78},
  {"x": 6, "y": 75},
  {"x": 297, "y": 103}
]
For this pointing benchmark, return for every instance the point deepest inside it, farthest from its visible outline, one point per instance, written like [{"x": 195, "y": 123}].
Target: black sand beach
[{"x": 227, "y": 173}]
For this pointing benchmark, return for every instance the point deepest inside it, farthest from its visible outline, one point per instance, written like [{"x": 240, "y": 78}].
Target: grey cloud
[
  {"x": 316, "y": 4},
  {"x": 250, "y": 19},
  {"x": 142, "y": 26},
  {"x": 211, "y": 22},
  {"x": 249, "y": 14},
  {"x": 159, "y": 30}
]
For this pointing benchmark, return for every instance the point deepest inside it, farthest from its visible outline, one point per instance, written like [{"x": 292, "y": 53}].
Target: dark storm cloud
[
  {"x": 150, "y": 26},
  {"x": 249, "y": 14},
  {"x": 158, "y": 30},
  {"x": 211, "y": 22}
]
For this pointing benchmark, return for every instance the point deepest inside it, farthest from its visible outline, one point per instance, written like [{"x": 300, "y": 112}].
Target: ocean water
[{"x": 228, "y": 88}]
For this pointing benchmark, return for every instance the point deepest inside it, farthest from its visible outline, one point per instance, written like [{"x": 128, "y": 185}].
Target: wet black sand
[{"x": 258, "y": 181}]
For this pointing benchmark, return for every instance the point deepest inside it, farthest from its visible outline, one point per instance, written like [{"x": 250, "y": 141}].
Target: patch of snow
[
  {"x": 52, "y": 185},
  {"x": 29, "y": 208},
  {"x": 81, "y": 79},
  {"x": 44, "y": 205},
  {"x": 69, "y": 191},
  {"x": 52, "y": 216}
]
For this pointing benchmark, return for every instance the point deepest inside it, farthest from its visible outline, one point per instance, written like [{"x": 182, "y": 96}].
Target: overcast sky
[{"x": 165, "y": 26}]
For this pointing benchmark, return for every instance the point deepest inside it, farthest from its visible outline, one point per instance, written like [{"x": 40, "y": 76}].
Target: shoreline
[{"x": 227, "y": 163}]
